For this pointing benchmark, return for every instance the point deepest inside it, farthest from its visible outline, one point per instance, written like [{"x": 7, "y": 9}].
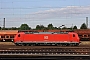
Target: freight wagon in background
[
  {"x": 31, "y": 30},
  {"x": 7, "y": 35},
  {"x": 84, "y": 34}
]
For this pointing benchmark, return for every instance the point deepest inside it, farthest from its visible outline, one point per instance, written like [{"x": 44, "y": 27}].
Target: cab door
[
  {"x": 20, "y": 37},
  {"x": 73, "y": 38}
]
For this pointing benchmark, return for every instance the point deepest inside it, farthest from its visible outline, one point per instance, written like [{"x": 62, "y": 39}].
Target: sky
[{"x": 44, "y": 12}]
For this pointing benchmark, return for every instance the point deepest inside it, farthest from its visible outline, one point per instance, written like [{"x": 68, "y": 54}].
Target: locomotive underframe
[{"x": 47, "y": 44}]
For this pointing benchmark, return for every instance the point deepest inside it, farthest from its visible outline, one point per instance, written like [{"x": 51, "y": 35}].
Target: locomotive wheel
[
  {"x": 72, "y": 44},
  {"x": 17, "y": 44},
  {"x": 23, "y": 44},
  {"x": 67, "y": 44},
  {"x": 76, "y": 44}
]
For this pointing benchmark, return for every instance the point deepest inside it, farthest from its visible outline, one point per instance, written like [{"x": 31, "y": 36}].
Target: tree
[
  {"x": 55, "y": 28},
  {"x": 37, "y": 27},
  {"x": 14, "y": 28},
  {"x": 64, "y": 27},
  {"x": 50, "y": 26},
  {"x": 75, "y": 27},
  {"x": 83, "y": 26},
  {"x": 40, "y": 27},
  {"x": 24, "y": 27},
  {"x": 0, "y": 28}
]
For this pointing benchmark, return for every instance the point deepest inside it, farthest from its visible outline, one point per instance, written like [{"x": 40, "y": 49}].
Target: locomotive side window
[
  {"x": 18, "y": 35},
  {"x": 73, "y": 35},
  {"x": 12, "y": 36},
  {"x": 2, "y": 36},
  {"x": 7, "y": 36}
]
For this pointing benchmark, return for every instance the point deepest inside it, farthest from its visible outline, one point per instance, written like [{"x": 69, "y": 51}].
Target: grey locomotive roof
[{"x": 46, "y": 32}]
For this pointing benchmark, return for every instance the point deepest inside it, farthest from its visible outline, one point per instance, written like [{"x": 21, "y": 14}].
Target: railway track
[
  {"x": 51, "y": 53},
  {"x": 46, "y": 52},
  {"x": 10, "y": 51}
]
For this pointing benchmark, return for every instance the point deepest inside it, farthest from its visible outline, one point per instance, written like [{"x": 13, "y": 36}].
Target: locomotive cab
[
  {"x": 18, "y": 38},
  {"x": 75, "y": 39}
]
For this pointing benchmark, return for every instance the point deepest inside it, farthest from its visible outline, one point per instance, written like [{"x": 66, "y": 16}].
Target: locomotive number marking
[{"x": 45, "y": 37}]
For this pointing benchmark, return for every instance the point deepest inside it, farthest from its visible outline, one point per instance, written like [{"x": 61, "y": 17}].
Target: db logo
[{"x": 45, "y": 37}]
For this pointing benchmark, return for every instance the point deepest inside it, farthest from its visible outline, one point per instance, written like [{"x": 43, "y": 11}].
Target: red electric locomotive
[{"x": 47, "y": 38}]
